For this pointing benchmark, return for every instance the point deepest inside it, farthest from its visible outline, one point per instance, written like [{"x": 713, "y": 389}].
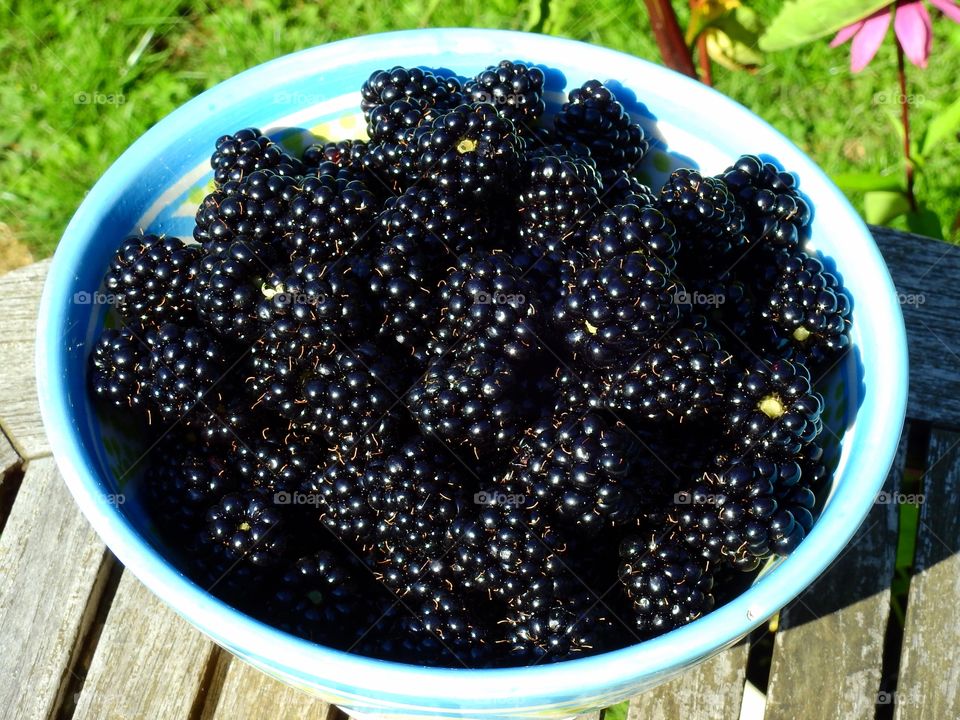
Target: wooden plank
[
  {"x": 53, "y": 568},
  {"x": 927, "y": 276},
  {"x": 828, "y": 649},
  {"x": 929, "y": 681},
  {"x": 19, "y": 411},
  {"x": 248, "y": 694},
  {"x": 8, "y": 456},
  {"x": 713, "y": 689},
  {"x": 149, "y": 662}
]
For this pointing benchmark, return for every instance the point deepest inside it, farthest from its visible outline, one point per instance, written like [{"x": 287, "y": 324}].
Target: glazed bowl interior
[{"x": 155, "y": 187}]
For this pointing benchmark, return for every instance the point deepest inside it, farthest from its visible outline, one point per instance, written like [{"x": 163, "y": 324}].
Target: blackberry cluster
[{"x": 468, "y": 393}]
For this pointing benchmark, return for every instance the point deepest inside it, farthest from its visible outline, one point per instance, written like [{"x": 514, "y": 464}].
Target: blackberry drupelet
[
  {"x": 594, "y": 118},
  {"x": 667, "y": 586},
  {"x": 468, "y": 398},
  {"x": 558, "y": 196},
  {"x": 515, "y": 89},
  {"x": 248, "y": 526},
  {"x": 682, "y": 377},
  {"x": 185, "y": 364},
  {"x": 806, "y": 314},
  {"x": 615, "y": 307},
  {"x": 485, "y": 300},
  {"x": 470, "y": 151},
  {"x": 709, "y": 221},
  {"x": 149, "y": 276},
  {"x": 628, "y": 228},
  {"x": 117, "y": 366},
  {"x": 776, "y": 213},
  {"x": 774, "y": 410},
  {"x": 247, "y": 150}
]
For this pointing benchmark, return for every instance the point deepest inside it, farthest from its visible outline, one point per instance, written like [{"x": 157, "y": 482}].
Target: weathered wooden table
[{"x": 82, "y": 638}]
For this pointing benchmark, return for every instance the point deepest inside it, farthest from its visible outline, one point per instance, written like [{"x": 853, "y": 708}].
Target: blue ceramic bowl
[{"x": 156, "y": 184}]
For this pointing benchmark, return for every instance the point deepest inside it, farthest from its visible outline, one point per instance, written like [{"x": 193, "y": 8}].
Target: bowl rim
[{"x": 423, "y": 688}]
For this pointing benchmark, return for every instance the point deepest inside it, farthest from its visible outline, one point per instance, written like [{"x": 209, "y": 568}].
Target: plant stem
[
  {"x": 905, "y": 121},
  {"x": 706, "y": 67},
  {"x": 666, "y": 29}
]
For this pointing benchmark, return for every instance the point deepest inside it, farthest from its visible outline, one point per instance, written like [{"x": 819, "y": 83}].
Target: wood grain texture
[
  {"x": 19, "y": 410},
  {"x": 929, "y": 682},
  {"x": 248, "y": 694},
  {"x": 53, "y": 569},
  {"x": 927, "y": 275},
  {"x": 149, "y": 663},
  {"x": 712, "y": 690},
  {"x": 846, "y": 610}
]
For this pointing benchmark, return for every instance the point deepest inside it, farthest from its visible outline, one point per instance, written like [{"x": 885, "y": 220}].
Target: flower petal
[
  {"x": 912, "y": 26},
  {"x": 868, "y": 40},
  {"x": 846, "y": 33},
  {"x": 948, "y": 8}
]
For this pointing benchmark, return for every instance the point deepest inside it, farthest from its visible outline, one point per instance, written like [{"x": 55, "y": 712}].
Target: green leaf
[
  {"x": 803, "y": 21},
  {"x": 882, "y": 206},
  {"x": 732, "y": 41},
  {"x": 865, "y": 182},
  {"x": 924, "y": 222},
  {"x": 617, "y": 712},
  {"x": 946, "y": 122}
]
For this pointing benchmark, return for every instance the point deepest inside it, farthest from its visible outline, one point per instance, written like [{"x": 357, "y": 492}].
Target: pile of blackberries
[{"x": 467, "y": 393}]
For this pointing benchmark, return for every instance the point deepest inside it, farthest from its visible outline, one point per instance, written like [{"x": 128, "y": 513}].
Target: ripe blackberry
[
  {"x": 558, "y": 196},
  {"x": 628, "y": 228},
  {"x": 776, "y": 213},
  {"x": 515, "y": 89},
  {"x": 347, "y": 154},
  {"x": 683, "y": 377},
  {"x": 255, "y": 206},
  {"x": 390, "y": 166},
  {"x": 185, "y": 364},
  {"x": 224, "y": 415},
  {"x": 434, "y": 223},
  {"x": 468, "y": 398},
  {"x": 248, "y": 526},
  {"x": 709, "y": 221},
  {"x": 774, "y": 410},
  {"x": 337, "y": 487},
  {"x": 274, "y": 460},
  {"x": 411, "y": 84},
  {"x": 615, "y": 307},
  {"x": 593, "y": 117},
  {"x": 149, "y": 276},
  {"x": 117, "y": 366},
  {"x": 228, "y": 287},
  {"x": 622, "y": 188},
  {"x": 667, "y": 586},
  {"x": 485, "y": 300},
  {"x": 576, "y": 463},
  {"x": 330, "y": 217},
  {"x": 247, "y": 150},
  {"x": 390, "y": 122},
  {"x": 469, "y": 151},
  {"x": 805, "y": 313}
]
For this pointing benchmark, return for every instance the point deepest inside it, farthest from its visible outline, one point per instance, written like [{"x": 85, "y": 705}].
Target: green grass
[{"x": 156, "y": 55}]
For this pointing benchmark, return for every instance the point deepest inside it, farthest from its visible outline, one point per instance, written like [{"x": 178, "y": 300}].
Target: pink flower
[{"x": 912, "y": 27}]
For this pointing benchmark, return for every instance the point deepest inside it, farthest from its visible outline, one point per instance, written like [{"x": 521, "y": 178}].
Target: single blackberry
[
  {"x": 467, "y": 398},
  {"x": 558, "y": 196},
  {"x": 390, "y": 122},
  {"x": 628, "y": 228},
  {"x": 247, "y": 150},
  {"x": 411, "y": 84},
  {"x": 439, "y": 630},
  {"x": 683, "y": 376},
  {"x": 469, "y": 151},
  {"x": 667, "y": 586},
  {"x": 776, "y": 213},
  {"x": 622, "y": 188},
  {"x": 185, "y": 364},
  {"x": 486, "y": 301},
  {"x": 255, "y": 206},
  {"x": 117, "y": 366},
  {"x": 515, "y": 89},
  {"x": 614, "y": 308},
  {"x": 577, "y": 464},
  {"x": 390, "y": 166},
  {"x": 434, "y": 223},
  {"x": 248, "y": 526},
  {"x": 224, "y": 416},
  {"x": 806, "y": 312},
  {"x": 149, "y": 276},
  {"x": 274, "y": 460},
  {"x": 709, "y": 221},
  {"x": 774, "y": 409},
  {"x": 593, "y": 117},
  {"x": 330, "y": 217},
  {"x": 337, "y": 488},
  {"x": 347, "y": 154},
  {"x": 228, "y": 288}
]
